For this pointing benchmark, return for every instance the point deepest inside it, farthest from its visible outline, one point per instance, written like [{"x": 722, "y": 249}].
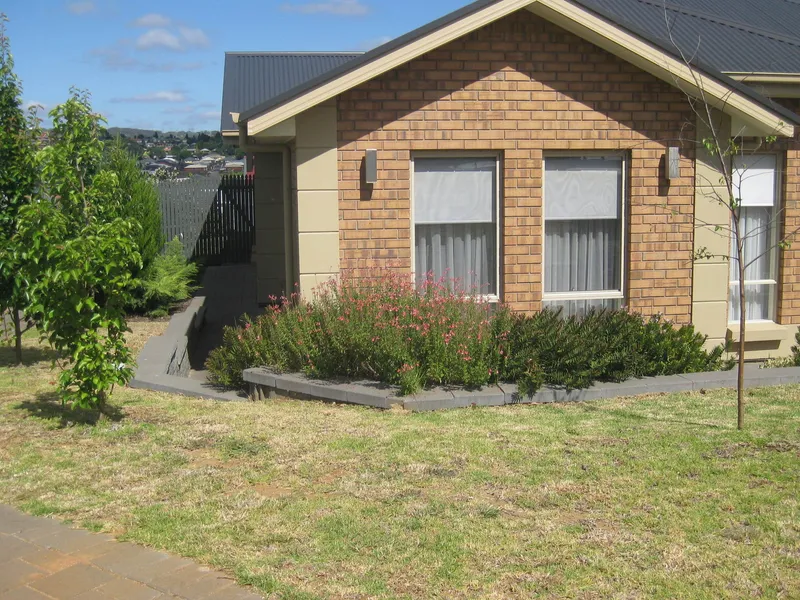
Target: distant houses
[{"x": 206, "y": 162}]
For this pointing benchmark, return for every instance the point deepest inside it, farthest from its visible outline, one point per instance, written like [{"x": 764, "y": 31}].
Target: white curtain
[
  {"x": 757, "y": 231},
  {"x": 464, "y": 252},
  {"x": 455, "y": 221},
  {"x": 582, "y": 256}
]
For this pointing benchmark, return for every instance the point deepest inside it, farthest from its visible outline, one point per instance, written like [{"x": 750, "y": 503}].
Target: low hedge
[{"x": 389, "y": 330}]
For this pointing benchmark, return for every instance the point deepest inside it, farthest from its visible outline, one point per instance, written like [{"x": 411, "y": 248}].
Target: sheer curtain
[
  {"x": 756, "y": 228},
  {"x": 464, "y": 252},
  {"x": 455, "y": 221},
  {"x": 582, "y": 256},
  {"x": 583, "y": 231}
]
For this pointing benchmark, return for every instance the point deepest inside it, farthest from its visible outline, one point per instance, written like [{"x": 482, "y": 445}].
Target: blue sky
[{"x": 158, "y": 64}]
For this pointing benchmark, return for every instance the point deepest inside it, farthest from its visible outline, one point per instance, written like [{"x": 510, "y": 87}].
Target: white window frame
[
  {"x": 773, "y": 252},
  {"x": 478, "y": 154},
  {"x": 603, "y": 294}
]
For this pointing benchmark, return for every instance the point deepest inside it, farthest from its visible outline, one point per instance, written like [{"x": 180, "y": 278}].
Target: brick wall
[{"x": 523, "y": 87}]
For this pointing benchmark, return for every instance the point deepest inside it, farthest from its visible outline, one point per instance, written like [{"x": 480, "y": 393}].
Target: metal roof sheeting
[
  {"x": 733, "y": 36},
  {"x": 254, "y": 77}
]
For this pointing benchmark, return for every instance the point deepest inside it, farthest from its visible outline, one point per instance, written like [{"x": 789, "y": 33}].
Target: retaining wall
[{"x": 265, "y": 383}]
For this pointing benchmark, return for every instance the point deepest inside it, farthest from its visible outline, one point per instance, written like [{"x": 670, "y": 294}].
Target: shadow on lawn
[
  {"x": 48, "y": 406},
  {"x": 30, "y": 356}
]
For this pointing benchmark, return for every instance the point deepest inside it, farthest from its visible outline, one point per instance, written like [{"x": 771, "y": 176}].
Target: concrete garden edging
[
  {"x": 163, "y": 363},
  {"x": 266, "y": 384}
]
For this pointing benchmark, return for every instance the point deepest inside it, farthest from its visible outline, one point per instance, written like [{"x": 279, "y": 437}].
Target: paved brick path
[{"x": 41, "y": 559}]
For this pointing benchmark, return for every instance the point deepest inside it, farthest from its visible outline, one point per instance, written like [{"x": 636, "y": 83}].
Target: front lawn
[{"x": 654, "y": 497}]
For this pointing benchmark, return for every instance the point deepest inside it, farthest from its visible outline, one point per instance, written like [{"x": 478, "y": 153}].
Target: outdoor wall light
[
  {"x": 673, "y": 162},
  {"x": 371, "y": 167}
]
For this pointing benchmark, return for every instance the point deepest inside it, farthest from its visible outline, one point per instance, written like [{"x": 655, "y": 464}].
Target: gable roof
[
  {"x": 254, "y": 77},
  {"x": 730, "y": 36},
  {"x": 624, "y": 38}
]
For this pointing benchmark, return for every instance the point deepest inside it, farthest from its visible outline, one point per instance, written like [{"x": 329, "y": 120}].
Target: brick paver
[{"x": 42, "y": 559}]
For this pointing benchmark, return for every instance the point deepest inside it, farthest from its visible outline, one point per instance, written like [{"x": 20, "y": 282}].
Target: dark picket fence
[{"x": 213, "y": 215}]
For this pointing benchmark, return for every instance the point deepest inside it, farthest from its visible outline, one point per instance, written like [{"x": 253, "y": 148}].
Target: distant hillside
[
  {"x": 148, "y": 133},
  {"x": 131, "y": 132}
]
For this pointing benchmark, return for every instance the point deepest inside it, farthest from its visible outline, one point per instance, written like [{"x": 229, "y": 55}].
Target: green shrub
[
  {"x": 386, "y": 330},
  {"x": 604, "y": 345},
  {"x": 140, "y": 201},
  {"x": 796, "y": 349},
  {"x": 168, "y": 280}
]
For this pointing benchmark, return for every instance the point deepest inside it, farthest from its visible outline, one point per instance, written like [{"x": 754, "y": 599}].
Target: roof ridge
[
  {"x": 689, "y": 12},
  {"x": 294, "y": 53}
]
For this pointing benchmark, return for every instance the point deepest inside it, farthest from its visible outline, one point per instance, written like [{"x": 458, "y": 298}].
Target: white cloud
[
  {"x": 118, "y": 58},
  {"x": 152, "y": 20},
  {"x": 179, "y": 110},
  {"x": 158, "y": 38},
  {"x": 209, "y": 114},
  {"x": 349, "y": 8},
  {"x": 161, "y": 96},
  {"x": 193, "y": 36},
  {"x": 81, "y": 8},
  {"x": 185, "y": 38}
]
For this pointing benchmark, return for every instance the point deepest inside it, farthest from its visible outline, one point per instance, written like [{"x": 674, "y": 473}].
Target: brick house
[{"x": 542, "y": 151}]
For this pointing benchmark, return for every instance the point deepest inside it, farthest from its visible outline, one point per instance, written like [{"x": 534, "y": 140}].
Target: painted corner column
[
  {"x": 270, "y": 254},
  {"x": 317, "y": 213},
  {"x": 711, "y": 276}
]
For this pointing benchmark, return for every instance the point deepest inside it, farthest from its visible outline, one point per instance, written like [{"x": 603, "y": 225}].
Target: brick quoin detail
[
  {"x": 789, "y": 278},
  {"x": 523, "y": 87}
]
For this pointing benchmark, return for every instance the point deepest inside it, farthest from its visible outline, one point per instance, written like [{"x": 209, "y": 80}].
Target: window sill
[{"x": 759, "y": 331}]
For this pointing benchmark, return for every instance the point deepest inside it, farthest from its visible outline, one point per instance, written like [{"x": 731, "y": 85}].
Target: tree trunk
[
  {"x": 742, "y": 326},
  {"x": 17, "y": 335}
]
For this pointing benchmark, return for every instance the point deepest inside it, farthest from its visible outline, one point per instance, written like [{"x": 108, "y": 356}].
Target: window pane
[
  {"x": 759, "y": 302},
  {"x": 582, "y": 256},
  {"x": 582, "y": 188},
  {"x": 465, "y": 252},
  {"x": 454, "y": 190},
  {"x": 581, "y": 307},
  {"x": 757, "y": 231}
]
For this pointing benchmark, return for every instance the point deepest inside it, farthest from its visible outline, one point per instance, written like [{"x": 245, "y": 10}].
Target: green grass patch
[{"x": 650, "y": 497}]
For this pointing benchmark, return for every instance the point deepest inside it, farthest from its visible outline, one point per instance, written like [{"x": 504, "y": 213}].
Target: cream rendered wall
[
  {"x": 270, "y": 254},
  {"x": 317, "y": 196},
  {"x": 711, "y": 276}
]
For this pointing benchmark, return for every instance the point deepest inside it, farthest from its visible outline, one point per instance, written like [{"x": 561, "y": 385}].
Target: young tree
[
  {"x": 79, "y": 255},
  {"x": 733, "y": 155},
  {"x": 17, "y": 182}
]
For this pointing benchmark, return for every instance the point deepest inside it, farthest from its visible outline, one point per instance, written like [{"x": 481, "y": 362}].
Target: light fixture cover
[
  {"x": 673, "y": 162},
  {"x": 371, "y": 167}
]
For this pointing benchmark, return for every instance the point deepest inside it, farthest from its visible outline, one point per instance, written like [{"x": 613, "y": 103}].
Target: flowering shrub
[
  {"x": 386, "y": 329},
  {"x": 383, "y": 329}
]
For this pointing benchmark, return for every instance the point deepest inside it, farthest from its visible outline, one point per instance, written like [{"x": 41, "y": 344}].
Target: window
[
  {"x": 755, "y": 180},
  {"x": 455, "y": 222},
  {"x": 584, "y": 232}
]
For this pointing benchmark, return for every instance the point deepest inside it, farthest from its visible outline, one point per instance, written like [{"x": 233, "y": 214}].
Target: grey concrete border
[
  {"x": 265, "y": 383},
  {"x": 163, "y": 364}
]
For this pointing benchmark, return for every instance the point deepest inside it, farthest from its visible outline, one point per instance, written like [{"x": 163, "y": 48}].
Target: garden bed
[{"x": 265, "y": 383}]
